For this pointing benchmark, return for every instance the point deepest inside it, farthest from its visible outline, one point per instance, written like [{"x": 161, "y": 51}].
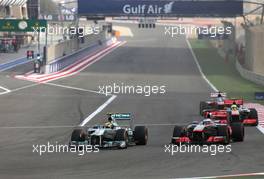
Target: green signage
[{"x": 14, "y": 25}]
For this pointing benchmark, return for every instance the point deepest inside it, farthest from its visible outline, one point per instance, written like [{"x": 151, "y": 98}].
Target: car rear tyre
[
  {"x": 253, "y": 115},
  {"x": 238, "y": 131},
  {"x": 141, "y": 135},
  {"x": 203, "y": 106},
  {"x": 177, "y": 132},
  {"x": 223, "y": 131},
  {"x": 78, "y": 135}
]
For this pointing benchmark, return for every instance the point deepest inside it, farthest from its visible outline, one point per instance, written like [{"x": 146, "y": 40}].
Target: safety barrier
[
  {"x": 65, "y": 61},
  {"x": 249, "y": 75}
]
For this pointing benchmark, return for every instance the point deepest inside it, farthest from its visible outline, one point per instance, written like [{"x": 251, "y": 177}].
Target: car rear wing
[
  {"x": 123, "y": 119},
  {"x": 215, "y": 95},
  {"x": 121, "y": 116},
  {"x": 207, "y": 111},
  {"x": 229, "y": 102},
  {"x": 214, "y": 112}
]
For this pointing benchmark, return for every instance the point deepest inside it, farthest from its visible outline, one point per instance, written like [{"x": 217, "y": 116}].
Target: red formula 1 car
[
  {"x": 208, "y": 132},
  {"x": 249, "y": 116},
  {"x": 219, "y": 101}
]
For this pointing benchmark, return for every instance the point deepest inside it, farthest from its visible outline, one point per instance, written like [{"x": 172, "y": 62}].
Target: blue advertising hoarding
[
  {"x": 259, "y": 95},
  {"x": 160, "y": 8}
]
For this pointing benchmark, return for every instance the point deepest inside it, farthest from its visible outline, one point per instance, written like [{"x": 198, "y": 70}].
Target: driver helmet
[
  {"x": 219, "y": 97},
  {"x": 109, "y": 117},
  {"x": 207, "y": 122},
  {"x": 234, "y": 106},
  {"x": 209, "y": 115},
  {"x": 195, "y": 122}
]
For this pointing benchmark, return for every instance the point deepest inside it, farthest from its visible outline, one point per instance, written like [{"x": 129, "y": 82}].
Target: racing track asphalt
[{"x": 149, "y": 58}]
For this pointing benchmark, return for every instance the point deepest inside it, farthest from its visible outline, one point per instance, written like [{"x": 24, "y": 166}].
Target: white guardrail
[{"x": 249, "y": 75}]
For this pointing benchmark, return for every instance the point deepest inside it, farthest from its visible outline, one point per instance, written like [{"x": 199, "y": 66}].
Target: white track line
[
  {"x": 226, "y": 176},
  {"x": 86, "y": 66},
  {"x": 63, "y": 126},
  {"x": 74, "y": 69},
  {"x": 5, "y": 89},
  {"x": 261, "y": 129},
  {"x": 98, "y": 110},
  {"x": 24, "y": 87},
  {"x": 75, "y": 88},
  {"x": 37, "y": 127},
  {"x": 80, "y": 64},
  {"x": 199, "y": 67}
]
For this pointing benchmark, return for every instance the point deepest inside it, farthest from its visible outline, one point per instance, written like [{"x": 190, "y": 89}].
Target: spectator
[{"x": 14, "y": 43}]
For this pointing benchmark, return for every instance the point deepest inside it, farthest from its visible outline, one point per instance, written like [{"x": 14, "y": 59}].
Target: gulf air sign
[
  {"x": 218, "y": 8},
  {"x": 150, "y": 9}
]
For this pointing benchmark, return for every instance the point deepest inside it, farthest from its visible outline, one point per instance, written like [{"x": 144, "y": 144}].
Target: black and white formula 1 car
[
  {"x": 121, "y": 135},
  {"x": 208, "y": 132}
]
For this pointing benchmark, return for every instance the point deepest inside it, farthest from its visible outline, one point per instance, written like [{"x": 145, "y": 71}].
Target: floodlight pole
[{"x": 262, "y": 15}]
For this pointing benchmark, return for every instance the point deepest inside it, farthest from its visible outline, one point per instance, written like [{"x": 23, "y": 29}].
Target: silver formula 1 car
[{"x": 120, "y": 135}]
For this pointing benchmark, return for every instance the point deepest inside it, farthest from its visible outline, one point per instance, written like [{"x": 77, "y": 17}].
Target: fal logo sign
[{"x": 148, "y": 9}]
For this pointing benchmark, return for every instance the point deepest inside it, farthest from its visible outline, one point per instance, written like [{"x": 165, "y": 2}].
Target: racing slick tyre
[
  {"x": 253, "y": 115},
  {"x": 223, "y": 131},
  {"x": 121, "y": 135},
  {"x": 141, "y": 135},
  {"x": 177, "y": 132},
  {"x": 203, "y": 106},
  {"x": 95, "y": 140},
  {"x": 238, "y": 131},
  {"x": 78, "y": 135}
]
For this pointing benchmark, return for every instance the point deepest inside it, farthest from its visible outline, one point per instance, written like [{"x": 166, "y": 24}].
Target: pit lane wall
[{"x": 58, "y": 55}]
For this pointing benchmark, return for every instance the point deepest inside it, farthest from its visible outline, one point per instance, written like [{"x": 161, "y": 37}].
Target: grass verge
[{"x": 222, "y": 73}]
